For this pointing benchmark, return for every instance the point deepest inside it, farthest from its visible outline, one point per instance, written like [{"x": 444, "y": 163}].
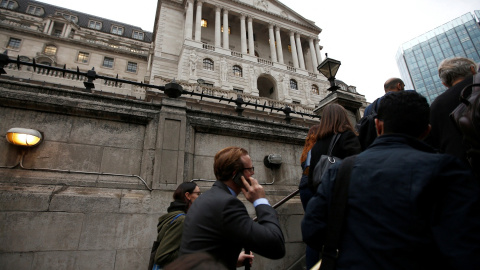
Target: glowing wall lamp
[{"x": 24, "y": 136}]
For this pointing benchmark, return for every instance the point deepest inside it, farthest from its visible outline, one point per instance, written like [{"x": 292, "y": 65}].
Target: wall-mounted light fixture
[
  {"x": 24, "y": 137},
  {"x": 272, "y": 161}
]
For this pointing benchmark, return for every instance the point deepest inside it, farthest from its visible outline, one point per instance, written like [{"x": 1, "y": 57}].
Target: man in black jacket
[
  {"x": 218, "y": 222},
  {"x": 455, "y": 73}
]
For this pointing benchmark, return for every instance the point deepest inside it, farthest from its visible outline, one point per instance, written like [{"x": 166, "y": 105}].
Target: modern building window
[
  {"x": 95, "y": 25},
  {"x": 108, "y": 62},
  {"x": 69, "y": 17},
  {"x": 50, "y": 50},
  {"x": 34, "y": 10},
  {"x": 204, "y": 23},
  {"x": 315, "y": 89},
  {"x": 14, "y": 43},
  {"x": 137, "y": 35},
  {"x": 208, "y": 64},
  {"x": 8, "y": 4},
  {"x": 132, "y": 67},
  {"x": 293, "y": 84},
  {"x": 117, "y": 30},
  {"x": 237, "y": 71},
  {"x": 82, "y": 57}
]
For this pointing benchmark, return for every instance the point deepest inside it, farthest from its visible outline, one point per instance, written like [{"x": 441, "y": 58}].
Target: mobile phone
[{"x": 237, "y": 178}]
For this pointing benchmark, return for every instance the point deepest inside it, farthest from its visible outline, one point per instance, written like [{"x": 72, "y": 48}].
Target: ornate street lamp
[{"x": 329, "y": 68}]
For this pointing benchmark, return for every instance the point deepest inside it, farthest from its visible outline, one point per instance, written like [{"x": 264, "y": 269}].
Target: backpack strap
[
  {"x": 336, "y": 214},
  {"x": 181, "y": 214}
]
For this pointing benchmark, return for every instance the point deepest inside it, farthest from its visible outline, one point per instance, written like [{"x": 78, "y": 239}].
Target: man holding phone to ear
[{"x": 218, "y": 222}]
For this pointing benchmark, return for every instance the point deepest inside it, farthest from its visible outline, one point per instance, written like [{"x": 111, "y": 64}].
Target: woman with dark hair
[
  {"x": 334, "y": 121},
  {"x": 170, "y": 225}
]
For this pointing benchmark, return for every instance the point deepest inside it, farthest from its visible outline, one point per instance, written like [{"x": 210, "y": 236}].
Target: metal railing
[{"x": 172, "y": 90}]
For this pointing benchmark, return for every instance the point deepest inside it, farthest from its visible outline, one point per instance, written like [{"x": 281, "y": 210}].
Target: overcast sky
[{"x": 363, "y": 35}]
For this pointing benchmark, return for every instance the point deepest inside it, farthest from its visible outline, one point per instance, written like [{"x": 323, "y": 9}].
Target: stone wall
[{"x": 89, "y": 196}]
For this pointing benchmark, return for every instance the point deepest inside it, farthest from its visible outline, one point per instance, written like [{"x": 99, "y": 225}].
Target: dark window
[
  {"x": 132, "y": 67},
  {"x": 138, "y": 35},
  {"x": 35, "y": 10},
  {"x": 237, "y": 71},
  {"x": 315, "y": 89},
  {"x": 95, "y": 25},
  {"x": 208, "y": 64},
  {"x": 293, "y": 84},
  {"x": 117, "y": 30},
  {"x": 108, "y": 62},
  {"x": 9, "y": 4},
  {"x": 14, "y": 43}
]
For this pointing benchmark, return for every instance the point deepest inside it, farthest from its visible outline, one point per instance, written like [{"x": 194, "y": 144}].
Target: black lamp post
[{"x": 329, "y": 68}]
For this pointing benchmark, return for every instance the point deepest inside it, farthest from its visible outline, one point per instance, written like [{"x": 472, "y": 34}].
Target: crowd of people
[{"x": 412, "y": 199}]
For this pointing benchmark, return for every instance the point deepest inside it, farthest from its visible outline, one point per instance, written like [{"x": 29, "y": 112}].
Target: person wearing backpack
[
  {"x": 170, "y": 226},
  {"x": 366, "y": 126},
  {"x": 456, "y": 73}
]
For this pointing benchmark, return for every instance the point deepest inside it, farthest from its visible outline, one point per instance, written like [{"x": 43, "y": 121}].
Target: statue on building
[
  {"x": 223, "y": 70},
  {"x": 193, "y": 63},
  {"x": 253, "y": 79},
  {"x": 262, "y": 3}
]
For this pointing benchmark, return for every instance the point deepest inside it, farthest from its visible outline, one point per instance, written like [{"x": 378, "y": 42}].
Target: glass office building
[{"x": 419, "y": 58}]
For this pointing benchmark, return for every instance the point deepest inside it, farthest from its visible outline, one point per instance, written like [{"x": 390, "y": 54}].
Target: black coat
[
  {"x": 347, "y": 145},
  {"x": 218, "y": 223},
  {"x": 445, "y": 136}
]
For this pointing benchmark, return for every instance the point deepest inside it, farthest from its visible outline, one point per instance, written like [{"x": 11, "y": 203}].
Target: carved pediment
[{"x": 276, "y": 7}]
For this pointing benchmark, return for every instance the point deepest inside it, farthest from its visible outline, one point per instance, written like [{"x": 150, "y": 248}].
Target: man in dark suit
[{"x": 218, "y": 222}]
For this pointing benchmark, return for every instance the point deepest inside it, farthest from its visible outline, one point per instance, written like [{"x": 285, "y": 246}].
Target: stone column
[
  {"x": 50, "y": 29},
  {"x": 313, "y": 54},
  {"x": 300, "y": 52},
  {"x": 189, "y": 20},
  {"x": 273, "y": 53},
  {"x": 218, "y": 42},
  {"x": 251, "y": 47},
  {"x": 225, "y": 30},
  {"x": 198, "y": 22},
  {"x": 279, "y": 45},
  {"x": 294, "y": 50},
  {"x": 317, "y": 51},
  {"x": 243, "y": 34}
]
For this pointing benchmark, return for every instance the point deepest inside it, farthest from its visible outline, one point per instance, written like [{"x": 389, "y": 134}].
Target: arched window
[
  {"x": 315, "y": 89},
  {"x": 293, "y": 84},
  {"x": 208, "y": 64},
  {"x": 237, "y": 71}
]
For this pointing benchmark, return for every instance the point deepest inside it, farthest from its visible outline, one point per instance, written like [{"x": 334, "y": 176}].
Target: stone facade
[
  {"x": 89, "y": 196},
  {"x": 77, "y": 201}
]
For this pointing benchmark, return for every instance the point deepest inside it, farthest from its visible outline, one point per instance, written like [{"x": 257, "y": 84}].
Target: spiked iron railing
[{"x": 172, "y": 90}]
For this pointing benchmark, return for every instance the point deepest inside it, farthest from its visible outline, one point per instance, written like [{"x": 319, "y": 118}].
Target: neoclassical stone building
[
  {"x": 267, "y": 53},
  {"x": 90, "y": 194}
]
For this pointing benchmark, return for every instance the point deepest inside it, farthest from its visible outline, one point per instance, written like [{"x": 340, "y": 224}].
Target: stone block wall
[{"x": 77, "y": 201}]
